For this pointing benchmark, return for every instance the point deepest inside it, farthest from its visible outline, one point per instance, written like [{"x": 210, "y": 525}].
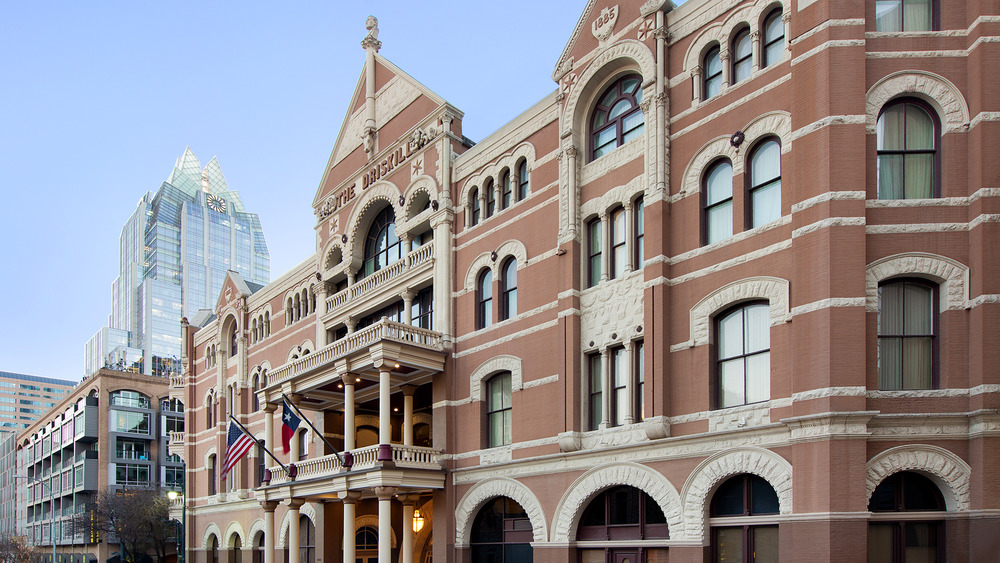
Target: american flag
[{"x": 239, "y": 444}]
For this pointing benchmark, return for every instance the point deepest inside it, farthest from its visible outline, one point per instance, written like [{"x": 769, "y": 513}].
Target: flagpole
[
  {"x": 264, "y": 447},
  {"x": 318, "y": 433}
]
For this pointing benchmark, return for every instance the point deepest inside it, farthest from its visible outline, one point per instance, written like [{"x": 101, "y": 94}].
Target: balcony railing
[
  {"x": 378, "y": 279},
  {"x": 384, "y": 330},
  {"x": 410, "y": 457}
]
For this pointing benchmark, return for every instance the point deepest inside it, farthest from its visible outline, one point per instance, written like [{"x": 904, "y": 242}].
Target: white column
[
  {"x": 696, "y": 84},
  {"x": 408, "y": 391},
  {"x": 571, "y": 221},
  {"x": 349, "y": 499},
  {"x": 755, "y": 50},
  {"x": 407, "y": 307},
  {"x": 442, "y": 273},
  {"x": 406, "y": 550},
  {"x": 605, "y": 246},
  {"x": 269, "y": 507},
  {"x": 269, "y": 426},
  {"x": 350, "y": 425},
  {"x": 384, "y": 524},
  {"x": 629, "y": 237},
  {"x": 293, "y": 530}
]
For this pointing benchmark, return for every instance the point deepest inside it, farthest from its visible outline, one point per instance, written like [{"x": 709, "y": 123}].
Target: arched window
[
  {"x": 298, "y": 307},
  {"x": 522, "y": 179},
  {"x": 212, "y": 484},
  {"x": 474, "y": 207},
  {"x": 365, "y": 542},
  {"x": 233, "y": 341},
  {"x": 895, "y": 536},
  {"x": 620, "y": 514},
  {"x": 506, "y": 190},
  {"x": 718, "y": 202},
  {"x": 907, "y": 311},
  {"x": 764, "y": 188},
  {"x": 258, "y": 549},
  {"x": 774, "y": 39},
  {"x": 640, "y": 230},
  {"x": 491, "y": 199},
  {"x": 617, "y": 241},
  {"x": 307, "y": 540},
  {"x": 267, "y": 324},
  {"x": 253, "y": 392},
  {"x": 237, "y": 550},
  {"x": 484, "y": 299},
  {"x": 743, "y": 355},
  {"x": 617, "y": 119},
  {"x": 907, "y": 156},
  {"x": 742, "y": 55},
  {"x": 905, "y": 15},
  {"x": 213, "y": 549},
  {"x": 498, "y": 410},
  {"x": 501, "y": 533},
  {"x": 210, "y": 412},
  {"x": 508, "y": 290},
  {"x": 593, "y": 252},
  {"x": 382, "y": 247},
  {"x": 751, "y": 499},
  {"x": 303, "y": 445},
  {"x": 713, "y": 72},
  {"x": 253, "y": 332},
  {"x": 288, "y": 311}
]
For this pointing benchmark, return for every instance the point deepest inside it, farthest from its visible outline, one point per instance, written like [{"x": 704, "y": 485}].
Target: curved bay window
[
  {"x": 742, "y": 56},
  {"x": 617, "y": 119},
  {"x": 755, "y": 539},
  {"x": 908, "y": 161},
  {"x": 743, "y": 355},
  {"x": 906, "y": 334},
  {"x": 382, "y": 246},
  {"x": 713, "y": 72},
  {"x": 620, "y": 514},
  {"x": 765, "y": 183},
  {"x": 484, "y": 299},
  {"x": 508, "y": 290},
  {"x": 774, "y": 39},
  {"x": 501, "y": 533},
  {"x": 898, "y": 531}
]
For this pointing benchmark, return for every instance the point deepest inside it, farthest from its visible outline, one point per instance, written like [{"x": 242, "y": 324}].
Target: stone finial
[{"x": 371, "y": 40}]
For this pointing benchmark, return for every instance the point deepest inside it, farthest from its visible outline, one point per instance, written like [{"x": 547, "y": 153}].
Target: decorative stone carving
[
  {"x": 657, "y": 427},
  {"x": 947, "y": 470},
  {"x": 953, "y": 276},
  {"x": 774, "y": 290},
  {"x": 604, "y": 25},
  {"x": 745, "y": 416},
  {"x": 580, "y": 493},
  {"x": 489, "y": 489},
  {"x": 569, "y": 441},
  {"x": 935, "y": 89},
  {"x": 490, "y": 367},
  {"x": 371, "y": 39},
  {"x": 612, "y": 437},
  {"x": 613, "y": 306},
  {"x": 646, "y": 28}
]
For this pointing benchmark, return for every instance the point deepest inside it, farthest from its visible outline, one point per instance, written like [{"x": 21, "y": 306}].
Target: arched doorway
[
  {"x": 621, "y": 514},
  {"x": 501, "y": 533}
]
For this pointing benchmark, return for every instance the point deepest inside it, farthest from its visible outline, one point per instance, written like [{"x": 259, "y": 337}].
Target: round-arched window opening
[
  {"x": 900, "y": 529},
  {"x": 502, "y": 533},
  {"x": 382, "y": 246},
  {"x": 617, "y": 117}
]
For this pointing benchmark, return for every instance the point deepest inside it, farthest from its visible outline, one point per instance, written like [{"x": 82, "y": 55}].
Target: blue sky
[{"x": 99, "y": 99}]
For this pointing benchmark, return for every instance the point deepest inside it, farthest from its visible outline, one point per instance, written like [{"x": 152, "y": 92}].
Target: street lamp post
[
  {"x": 182, "y": 536},
  {"x": 52, "y": 512}
]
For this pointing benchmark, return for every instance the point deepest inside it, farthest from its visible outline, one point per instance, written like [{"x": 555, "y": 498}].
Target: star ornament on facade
[
  {"x": 646, "y": 28},
  {"x": 568, "y": 83}
]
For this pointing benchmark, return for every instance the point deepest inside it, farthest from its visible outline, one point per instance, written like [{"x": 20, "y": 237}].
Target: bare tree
[
  {"x": 136, "y": 519},
  {"x": 15, "y": 549}
]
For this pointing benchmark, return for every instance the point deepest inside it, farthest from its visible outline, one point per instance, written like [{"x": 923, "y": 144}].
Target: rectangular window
[
  {"x": 593, "y": 252},
  {"x": 131, "y": 422},
  {"x": 639, "y": 412},
  {"x": 617, "y": 244},
  {"x": 594, "y": 391},
  {"x": 619, "y": 390},
  {"x": 640, "y": 230}
]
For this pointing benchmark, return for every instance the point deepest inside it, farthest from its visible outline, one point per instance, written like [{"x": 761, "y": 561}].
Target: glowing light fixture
[{"x": 418, "y": 521}]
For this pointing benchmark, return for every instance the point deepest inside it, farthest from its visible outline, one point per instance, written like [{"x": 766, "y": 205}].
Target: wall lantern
[{"x": 418, "y": 521}]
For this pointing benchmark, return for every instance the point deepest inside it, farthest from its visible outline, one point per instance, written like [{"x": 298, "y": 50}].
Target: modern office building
[
  {"x": 728, "y": 293},
  {"x": 25, "y": 398},
  {"x": 174, "y": 253},
  {"x": 110, "y": 434}
]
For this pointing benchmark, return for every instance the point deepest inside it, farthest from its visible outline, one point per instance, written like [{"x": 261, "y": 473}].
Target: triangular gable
[
  {"x": 395, "y": 90},
  {"x": 232, "y": 289},
  {"x": 583, "y": 40}
]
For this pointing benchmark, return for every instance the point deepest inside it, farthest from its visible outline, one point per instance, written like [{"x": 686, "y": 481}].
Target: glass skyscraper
[{"x": 174, "y": 252}]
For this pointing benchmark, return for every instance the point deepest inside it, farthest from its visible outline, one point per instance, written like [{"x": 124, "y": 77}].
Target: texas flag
[{"x": 289, "y": 424}]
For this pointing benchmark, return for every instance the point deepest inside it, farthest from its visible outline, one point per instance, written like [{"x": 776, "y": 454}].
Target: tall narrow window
[
  {"x": 422, "y": 309},
  {"x": 474, "y": 205},
  {"x": 508, "y": 290},
  {"x": 718, "y": 198},
  {"x": 905, "y": 15},
  {"x": 595, "y": 386},
  {"x": 506, "y": 190},
  {"x": 617, "y": 243},
  {"x": 593, "y": 252},
  {"x": 774, "y": 39},
  {"x": 894, "y": 535},
  {"x": 754, "y": 538},
  {"x": 640, "y": 386},
  {"x": 906, "y": 335},
  {"x": 640, "y": 230},
  {"x": 522, "y": 180},
  {"x": 498, "y": 410},
  {"x": 765, "y": 184},
  {"x": 743, "y": 348},
  {"x": 906, "y": 139},
  {"x": 713, "y": 72},
  {"x": 742, "y": 56},
  {"x": 619, "y": 391},
  {"x": 484, "y": 299},
  {"x": 491, "y": 199},
  {"x": 303, "y": 445},
  {"x": 211, "y": 476},
  {"x": 382, "y": 246},
  {"x": 307, "y": 540},
  {"x": 617, "y": 119}
]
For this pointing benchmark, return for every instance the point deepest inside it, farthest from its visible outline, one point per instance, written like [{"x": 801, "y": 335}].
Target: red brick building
[{"x": 723, "y": 295}]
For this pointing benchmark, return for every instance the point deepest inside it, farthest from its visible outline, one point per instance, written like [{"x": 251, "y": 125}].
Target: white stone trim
[
  {"x": 951, "y": 275},
  {"x": 305, "y": 510},
  {"x": 650, "y": 481},
  {"x": 702, "y": 482},
  {"x": 709, "y": 153},
  {"x": 829, "y": 303},
  {"x": 949, "y": 472},
  {"x": 232, "y": 530},
  {"x": 936, "y": 90},
  {"x": 360, "y": 219},
  {"x": 480, "y": 493},
  {"x": 255, "y": 527},
  {"x": 774, "y": 290},
  {"x": 211, "y": 530},
  {"x": 490, "y": 367}
]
